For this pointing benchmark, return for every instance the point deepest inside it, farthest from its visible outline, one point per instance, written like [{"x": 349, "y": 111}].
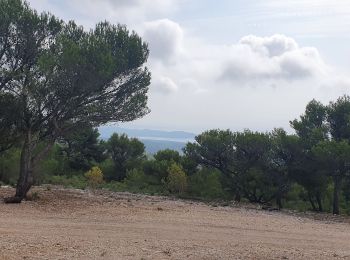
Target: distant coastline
[{"x": 154, "y": 140}]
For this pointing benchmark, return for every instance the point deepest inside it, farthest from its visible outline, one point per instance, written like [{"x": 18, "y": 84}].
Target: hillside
[{"x": 153, "y": 146}]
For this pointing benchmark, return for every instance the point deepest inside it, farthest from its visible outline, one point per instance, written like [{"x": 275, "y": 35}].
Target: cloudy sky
[{"x": 230, "y": 63}]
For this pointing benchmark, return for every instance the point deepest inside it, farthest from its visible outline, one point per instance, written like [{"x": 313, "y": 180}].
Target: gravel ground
[{"x": 73, "y": 224}]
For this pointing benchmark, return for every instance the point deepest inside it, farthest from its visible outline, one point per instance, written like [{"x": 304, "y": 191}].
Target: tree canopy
[
  {"x": 57, "y": 76},
  {"x": 125, "y": 153}
]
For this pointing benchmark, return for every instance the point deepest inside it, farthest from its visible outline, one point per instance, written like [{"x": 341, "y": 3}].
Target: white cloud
[
  {"x": 165, "y": 39},
  {"x": 164, "y": 85},
  {"x": 130, "y": 12},
  {"x": 125, "y": 11},
  {"x": 257, "y": 83},
  {"x": 252, "y": 61},
  {"x": 206, "y": 75},
  {"x": 272, "y": 46},
  {"x": 277, "y": 57},
  {"x": 273, "y": 61}
]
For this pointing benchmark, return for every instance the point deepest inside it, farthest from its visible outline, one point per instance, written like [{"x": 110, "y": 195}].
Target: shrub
[
  {"x": 296, "y": 198},
  {"x": 48, "y": 167},
  {"x": 135, "y": 178},
  {"x": 115, "y": 186},
  {"x": 206, "y": 184},
  {"x": 157, "y": 169},
  {"x": 108, "y": 169},
  {"x": 9, "y": 166},
  {"x": 258, "y": 185},
  {"x": 177, "y": 180},
  {"x": 137, "y": 181},
  {"x": 77, "y": 181},
  {"x": 126, "y": 153},
  {"x": 168, "y": 155},
  {"x": 94, "y": 177}
]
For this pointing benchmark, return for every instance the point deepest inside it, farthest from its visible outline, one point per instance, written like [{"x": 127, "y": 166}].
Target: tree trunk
[
  {"x": 279, "y": 201},
  {"x": 312, "y": 202},
  {"x": 26, "y": 178},
  {"x": 336, "y": 191},
  {"x": 319, "y": 202},
  {"x": 238, "y": 196}
]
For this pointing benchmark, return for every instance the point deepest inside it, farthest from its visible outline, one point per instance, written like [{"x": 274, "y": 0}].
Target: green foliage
[
  {"x": 158, "y": 169},
  {"x": 49, "y": 167},
  {"x": 251, "y": 159},
  {"x": 338, "y": 118},
  {"x": 52, "y": 164},
  {"x": 243, "y": 159},
  {"x": 56, "y": 77},
  {"x": 312, "y": 127},
  {"x": 213, "y": 148},
  {"x": 258, "y": 186},
  {"x": 333, "y": 155},
  {"x": 206, "y": 183},
  {"x": 137, "y": 181},
  {"x": 189, "y": 165},
  {"x": 176, "y": 181},
  {"x": 296, "y": 198},
  {"x": 9, "y": 166},
  {"x": 82, "y": 148},
  {"x": 55, "y": 164},
  {"x": 77, "y": 181},
  {"x": 108, "y": 169},
  {"x": 168, "y": 155},
  {"x": 115, "y": 186},
  {"x": 126, "y": 153},
  {"x": 9, "y": 136}
]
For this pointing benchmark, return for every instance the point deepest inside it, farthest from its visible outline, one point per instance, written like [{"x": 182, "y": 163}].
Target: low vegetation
[{"x": 308, "y": 170}]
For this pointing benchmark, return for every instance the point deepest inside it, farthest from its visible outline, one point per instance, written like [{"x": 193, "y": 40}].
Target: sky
[{"x": 238, "y": 64}]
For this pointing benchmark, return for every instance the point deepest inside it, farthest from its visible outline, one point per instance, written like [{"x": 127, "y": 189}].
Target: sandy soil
[{"x": 71, "y": 224}]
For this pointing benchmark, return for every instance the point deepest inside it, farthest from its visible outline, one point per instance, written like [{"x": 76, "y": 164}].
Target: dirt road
[{"x": 70, "y": 224}]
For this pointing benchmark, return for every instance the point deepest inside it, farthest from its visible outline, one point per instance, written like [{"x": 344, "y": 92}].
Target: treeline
[
  {"x": 265, "y": 167},
  {"x": 305, "y": 170}
]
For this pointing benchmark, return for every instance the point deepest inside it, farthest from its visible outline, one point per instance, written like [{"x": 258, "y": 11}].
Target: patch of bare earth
[{"x": 72, "y": 224}]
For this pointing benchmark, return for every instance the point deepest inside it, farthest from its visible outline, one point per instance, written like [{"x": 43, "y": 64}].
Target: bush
[
  {"x": 177, "y": 180},
  {"x": 9, "y": 166},
  {"x": 137, "y": 181},
  {"x": 55, "y": 164},
  {"x": 157, "y": 169},
  {"x": 296, "y": 198},
  {"x": 48, "y": 167},
  {"x": 77, "y": 181},
  {"x": 108, "y": 169},
  {"x": 258, "y": 185},
  {"x": 168, "y": 155},
  {"x": 94, "y": 177},
  {"x": 206, "y": 184},
  {"x": 115, "y": 186}
]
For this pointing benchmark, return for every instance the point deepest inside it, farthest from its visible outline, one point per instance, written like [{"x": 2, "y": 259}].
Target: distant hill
[
  {"x": 154, "y": 140},
  {"x": 153, "y": 146}
]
